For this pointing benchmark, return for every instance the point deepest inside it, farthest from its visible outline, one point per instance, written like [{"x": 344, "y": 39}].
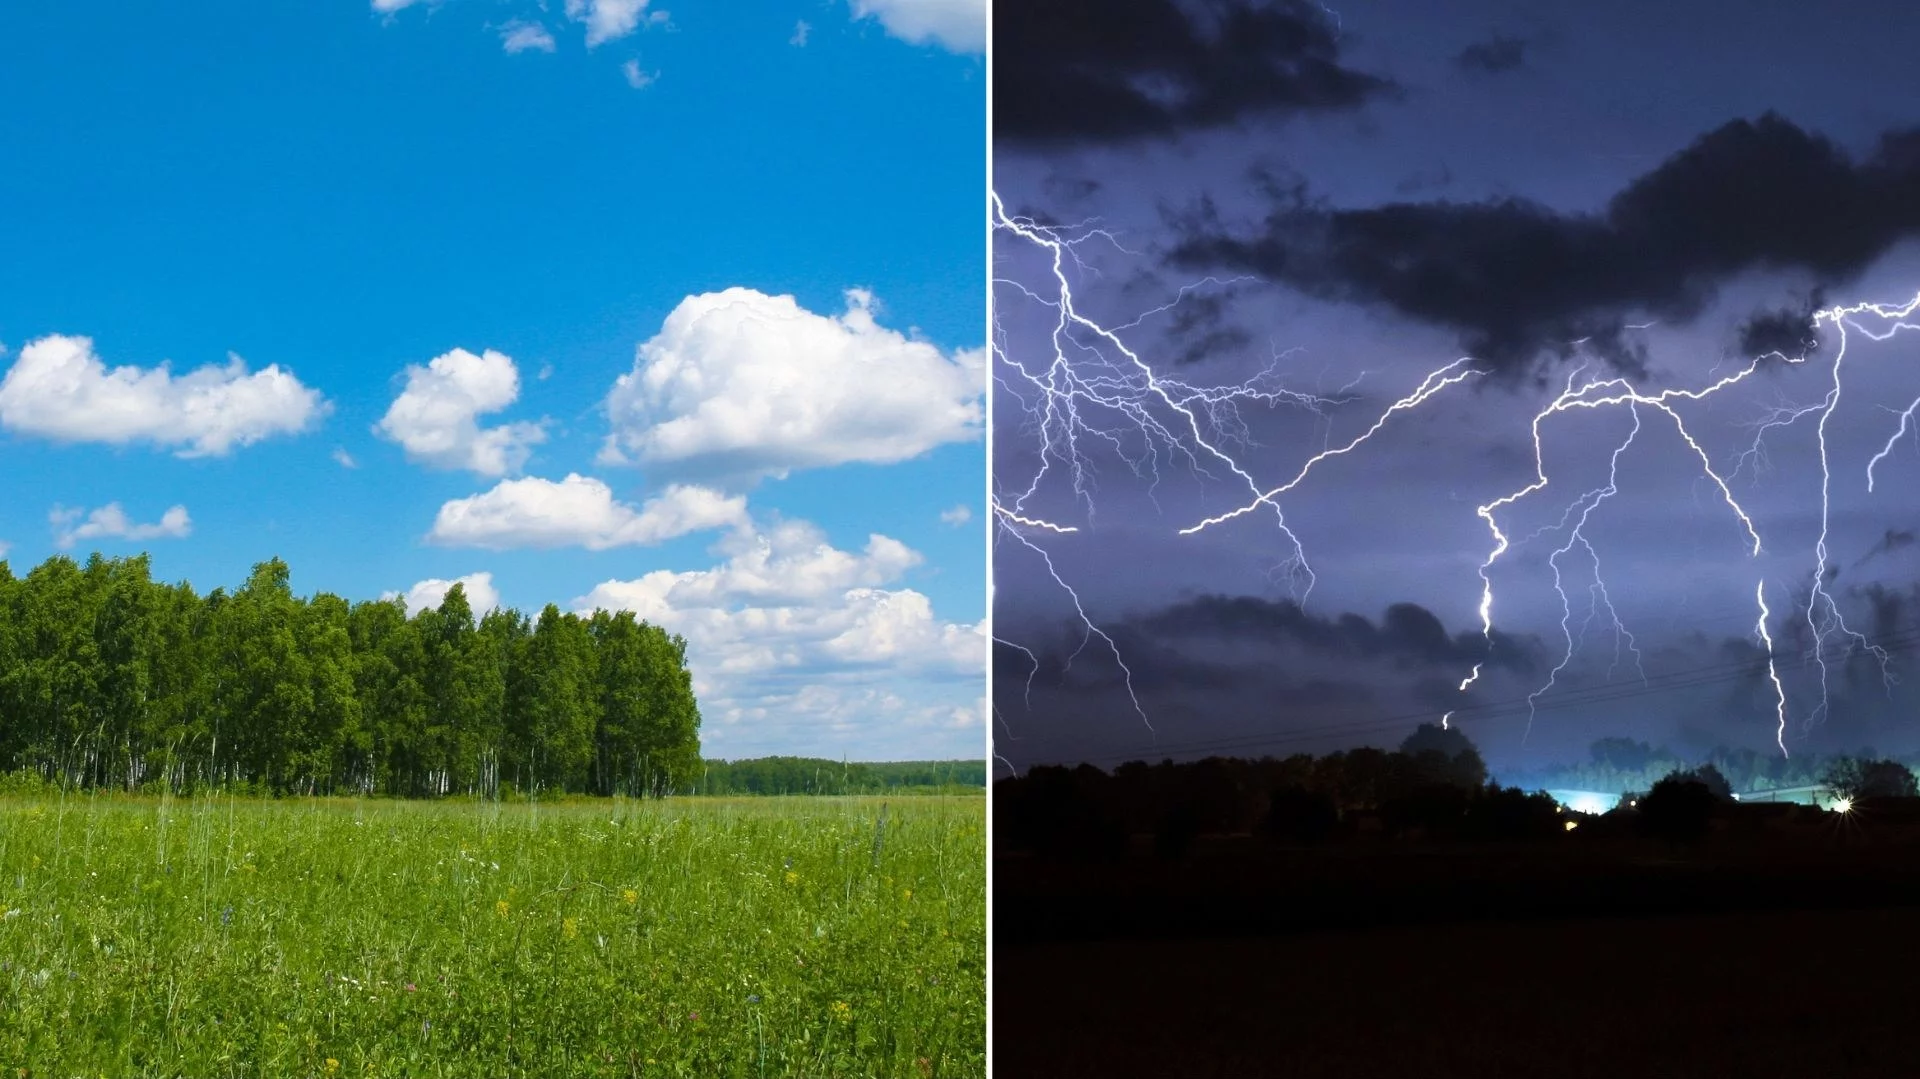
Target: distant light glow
[
  {"x": 1843, "y": 805},
  {"x": 1572, "y": 824},
  {"x": 1590, "y": 802}
]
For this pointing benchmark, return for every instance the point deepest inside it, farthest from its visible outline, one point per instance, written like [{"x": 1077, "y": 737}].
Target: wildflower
[
  {"x": 501, "y": 908},
  {"x": 570, "y": 928},
  {"x": 792, "y": 877},
  {"x": 226, "y": 915},
  {"x": 332, "y": 1066},
  {"x": 695, "y": 1016},
  {"x": 753, "y": 998},
  {"x": 906, "y": 893},
  {"x": 630, "y": 897},
  {"x": 410, "y": 987},
  {"x": 842, "y": 1011}
]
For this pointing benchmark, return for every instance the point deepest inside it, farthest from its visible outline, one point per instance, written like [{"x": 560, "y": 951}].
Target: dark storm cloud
[
  {"x": 1895, "y": 539},
  {"x": 1109, "y": 71},
  {"x": 1517, "y": 279},
  {"x": 1223, "y": 642},
  {"x": 1497, "y": 54},
  {"x": 1200, "y": 328},
  {"x": 1408, "y": 635},
  {"x": 1425, "y": 180},
  {"x": 1788, "y": 330},
  {"x": 1070, "y": 189}
]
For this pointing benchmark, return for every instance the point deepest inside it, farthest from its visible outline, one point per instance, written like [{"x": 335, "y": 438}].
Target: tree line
[
  {"x": 111, "y": 679},
  {"x": 1435, "y": 784},
  {"x": 1620, "y": 765},
  {"x": 810, "y": 775}
]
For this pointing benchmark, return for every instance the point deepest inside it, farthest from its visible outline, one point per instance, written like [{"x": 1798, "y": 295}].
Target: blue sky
[{"x": 438, "y": 235}]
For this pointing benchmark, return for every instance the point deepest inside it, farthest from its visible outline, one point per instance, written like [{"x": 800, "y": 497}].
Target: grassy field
[{"x": 695, "y": 937}]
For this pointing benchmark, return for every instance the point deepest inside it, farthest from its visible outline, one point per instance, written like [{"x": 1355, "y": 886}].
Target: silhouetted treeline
[
  {"x": 1435, "y": 786},
  {"x": 1618, "y": 765},
  {"x": 808, "y": 775},
  {"x": 109, "y": 678}
]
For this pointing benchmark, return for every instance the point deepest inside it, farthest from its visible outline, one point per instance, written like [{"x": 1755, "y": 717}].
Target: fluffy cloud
[
  {"x": 428, "y": 594},
  {"x": 608, "y": 20},
  {"x": 956, "y": 516},
  {"x": 579, "y": 511},
  {"x": 957, "y": 25},
  {"x": 519, "y": 36},
  {"x": 388, "y": 7},
  {"x": 880, "y": 671},
  {"x": 436, "y": 418},
  {"x": 59, "y": 388},
  {"x": 110, "y": 522},
  {"x": 744, "y": 385},
  {"x": 637, "y": 78}
]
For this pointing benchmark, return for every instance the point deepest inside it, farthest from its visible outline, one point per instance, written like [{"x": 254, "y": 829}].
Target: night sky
[{"x": 1345, "y": 200}]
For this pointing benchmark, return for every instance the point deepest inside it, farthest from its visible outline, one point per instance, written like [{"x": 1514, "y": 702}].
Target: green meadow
[{"x": 218, "y": 936}]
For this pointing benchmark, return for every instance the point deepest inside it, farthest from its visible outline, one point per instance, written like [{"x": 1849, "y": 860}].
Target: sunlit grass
[{"x": 695, "y": 937}]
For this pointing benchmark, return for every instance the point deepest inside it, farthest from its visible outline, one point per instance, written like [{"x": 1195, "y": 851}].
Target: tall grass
[{"x": 697, "y": 937}]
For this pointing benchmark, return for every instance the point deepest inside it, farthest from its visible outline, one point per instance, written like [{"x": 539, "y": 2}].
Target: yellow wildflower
[
  {"x": 792, "y": 877},
  {"x": 570, "y": 928},
  {"x": 630, "y": 897},
  {"x": 501, "y": 908}
]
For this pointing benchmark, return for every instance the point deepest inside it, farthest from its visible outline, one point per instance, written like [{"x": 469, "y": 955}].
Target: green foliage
[
  {"x": 335, "y": 937},
  {"x": 109, "y": 679},
  {"x": 808, "y": 775}
]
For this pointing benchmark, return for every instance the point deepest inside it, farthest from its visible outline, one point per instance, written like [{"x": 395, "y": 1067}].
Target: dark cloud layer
[
  {"x": 1408, "y": 635},
  {"x": 1204, "y": 643},
  {"x": 1110, "y": 71},
  {"x": 1895, "y": 539},
  {"x": 1518, "y": 280},
  {"x": 1788, "y": 330},
  {"x": 1497, "y": 54}
]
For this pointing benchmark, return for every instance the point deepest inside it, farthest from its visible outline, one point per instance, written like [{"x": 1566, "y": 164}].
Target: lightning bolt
[
  {"x": 1773, "y": 671},
  {"x": 1091, "y": 388},
  {"x": 1090, "y": 392}
]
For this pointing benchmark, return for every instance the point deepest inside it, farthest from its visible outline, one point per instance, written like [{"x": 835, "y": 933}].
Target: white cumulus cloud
[
  {"x": 956, "y": 516},
  {"x": 436, "y": 417},
  {"x": 608, "y": 20},
  {"x": 519, "y": 36},
  {"x": 59, "y": 388},
  {"x": 111, "y": 522},
  {"x": 579, "y": 511},
  {"x": 955, "y": 25},
  {"x": 743, "y": 385},
  {"x": 428, "y": 594},
  {"x": 637, "y": 78},
  {"x": 797, "y": 646}
]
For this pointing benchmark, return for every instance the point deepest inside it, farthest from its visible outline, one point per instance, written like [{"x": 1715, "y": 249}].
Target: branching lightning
[
  {"x": 1090, "y": 389},
  {"x": 1091, "y": 386}
]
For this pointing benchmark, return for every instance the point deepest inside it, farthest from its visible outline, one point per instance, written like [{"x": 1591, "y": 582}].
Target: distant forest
[
  {"x": 1622, "y": 765},
  {"x": 111, "y": 679},
  {"x": 807, "y": 775}
]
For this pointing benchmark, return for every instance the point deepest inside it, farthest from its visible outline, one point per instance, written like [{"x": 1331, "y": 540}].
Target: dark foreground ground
[{"x": 1483, "y": 964}]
